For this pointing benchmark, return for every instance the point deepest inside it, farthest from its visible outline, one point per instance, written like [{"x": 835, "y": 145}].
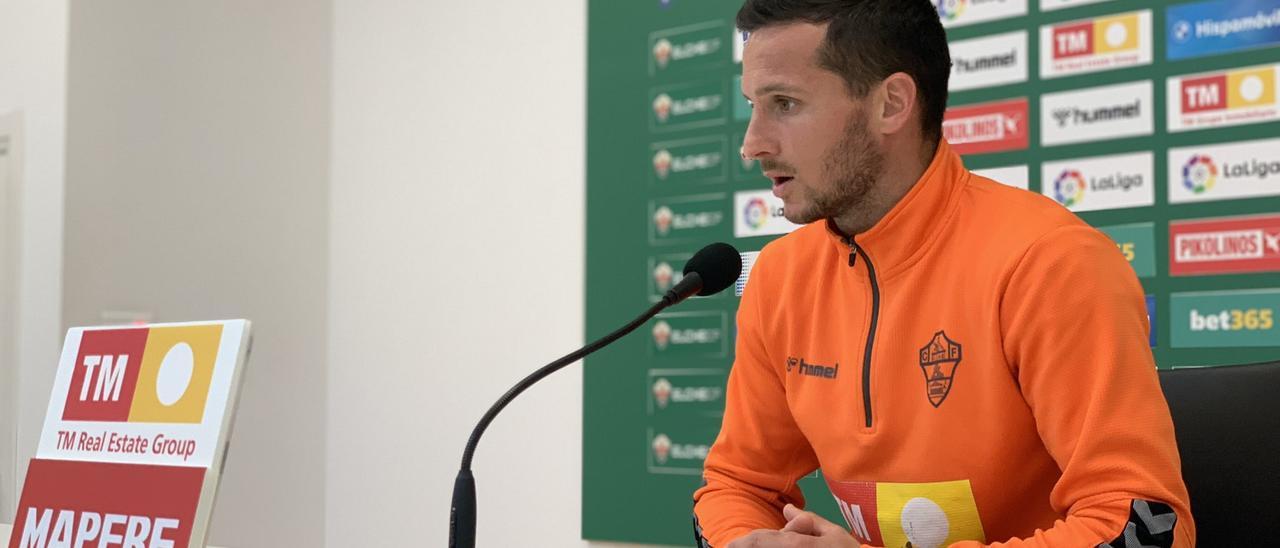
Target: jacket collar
[{"x": 902, "y": 236}]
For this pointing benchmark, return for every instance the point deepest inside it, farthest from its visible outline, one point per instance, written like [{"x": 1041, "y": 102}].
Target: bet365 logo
[
  {"x": 151, "y": 375},
  {"x": 1252, "y": 319}
]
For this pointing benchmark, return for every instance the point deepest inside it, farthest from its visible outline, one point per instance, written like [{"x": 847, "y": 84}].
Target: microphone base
[{"x": 462, "y": 514}]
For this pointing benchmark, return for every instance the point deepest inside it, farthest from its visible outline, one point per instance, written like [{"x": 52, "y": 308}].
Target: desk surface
[{"x": 6, "y": 528}]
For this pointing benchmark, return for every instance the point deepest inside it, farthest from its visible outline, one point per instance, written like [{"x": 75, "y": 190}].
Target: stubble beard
[{"x": 852, "y": 165}]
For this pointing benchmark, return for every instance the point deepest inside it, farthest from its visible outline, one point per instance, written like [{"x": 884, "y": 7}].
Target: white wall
[
  {"x": 456, "y": 267},
  {"x": 33, "y": 39},
  {"x": 197, "y": 177},
  {"x": 396, "y": 296}
]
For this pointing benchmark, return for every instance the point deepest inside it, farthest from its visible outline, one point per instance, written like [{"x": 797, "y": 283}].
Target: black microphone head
[{"x": 718, "y": 264}]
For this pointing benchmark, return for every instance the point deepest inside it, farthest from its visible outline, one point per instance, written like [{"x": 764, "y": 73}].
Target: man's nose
[{"x": 759, "y": 141}]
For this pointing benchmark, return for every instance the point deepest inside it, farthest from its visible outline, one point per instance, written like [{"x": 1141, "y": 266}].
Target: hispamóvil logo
[
  {"x": 1068, "y": 188},
  {"x": 1221, "y": 26},
  {"x": 1199, "y": 174}
]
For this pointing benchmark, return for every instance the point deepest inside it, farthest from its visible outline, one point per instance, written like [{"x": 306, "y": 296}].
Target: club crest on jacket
[{"x": 939, "y": 359}]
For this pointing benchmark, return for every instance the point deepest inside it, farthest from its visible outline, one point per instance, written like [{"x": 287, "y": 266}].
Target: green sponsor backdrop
[{"x": 640, "y": 458}]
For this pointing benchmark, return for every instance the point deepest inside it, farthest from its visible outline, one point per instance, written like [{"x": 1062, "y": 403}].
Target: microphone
[{"x": 709, "y": 271}]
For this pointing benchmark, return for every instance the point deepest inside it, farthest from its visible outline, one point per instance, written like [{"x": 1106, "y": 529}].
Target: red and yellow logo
[
  {"x": 909, "y": 514},
  {"x": 1096, "y": 37},
  {"x": 1232, "y": 90},
  {"x": 151, "y": 375}
]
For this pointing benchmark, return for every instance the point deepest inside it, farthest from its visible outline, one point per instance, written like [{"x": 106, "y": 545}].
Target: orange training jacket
[{"x": 973, "y": 370}]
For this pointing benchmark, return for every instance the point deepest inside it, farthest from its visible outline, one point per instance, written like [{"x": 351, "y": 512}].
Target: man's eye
[{"x": 785, "y": 104}]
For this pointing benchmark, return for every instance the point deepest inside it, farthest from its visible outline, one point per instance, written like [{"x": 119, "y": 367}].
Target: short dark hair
[{"x": 868, "y": 40}]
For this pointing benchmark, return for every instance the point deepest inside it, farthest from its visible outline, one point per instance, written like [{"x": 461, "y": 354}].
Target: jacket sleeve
[
  {"x": 1073, "y": 319},
  {"x": 752, "y": 468}
]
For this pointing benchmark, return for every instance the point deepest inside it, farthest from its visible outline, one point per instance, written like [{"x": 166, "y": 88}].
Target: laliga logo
[
  {"x": 662, "y": 219},
  {"x": 951, "y": 9},
  {"x": 1199, "y": 174},
  {"x": 662, "y": 107},
  {"x": 662, "y": 163},
  {"x": 755, "y": 213},
  {"x": 662, "y": 52},
  {"x": 662, "y": 275},
  {"x": 661, "y": 334},
  {"x": 662, "y": 392},
  {"x": 661, "y": 448},
  {"x": 1068, "y": 188}
]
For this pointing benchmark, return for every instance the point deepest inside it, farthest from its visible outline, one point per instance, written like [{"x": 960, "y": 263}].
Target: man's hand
[{"x": 803, "y": 530}]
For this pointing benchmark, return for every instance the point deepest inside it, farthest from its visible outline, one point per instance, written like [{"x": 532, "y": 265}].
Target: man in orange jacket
[{"x": 966, "y": 362}]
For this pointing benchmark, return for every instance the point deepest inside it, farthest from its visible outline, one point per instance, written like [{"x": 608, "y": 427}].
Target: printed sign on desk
[{"x": 134, "y": 435}]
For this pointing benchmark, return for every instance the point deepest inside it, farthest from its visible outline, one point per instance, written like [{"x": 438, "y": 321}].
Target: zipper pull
[{"x": 853, "y": 251}]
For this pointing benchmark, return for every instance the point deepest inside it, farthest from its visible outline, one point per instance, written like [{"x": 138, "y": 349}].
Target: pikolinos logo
[{"x": 1225, "y": 245}]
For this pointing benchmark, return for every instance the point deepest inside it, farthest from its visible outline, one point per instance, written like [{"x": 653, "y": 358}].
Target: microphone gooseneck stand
[{"x": 462, "y": 514}]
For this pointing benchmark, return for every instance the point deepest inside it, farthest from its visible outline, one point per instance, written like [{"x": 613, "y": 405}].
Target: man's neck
[{"x": 901, "y": 173}]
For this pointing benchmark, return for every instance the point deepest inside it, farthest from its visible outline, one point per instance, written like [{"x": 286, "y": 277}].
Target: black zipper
[{"x": 854, "y": 251}]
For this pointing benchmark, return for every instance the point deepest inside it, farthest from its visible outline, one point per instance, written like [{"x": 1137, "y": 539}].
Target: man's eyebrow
[{"x": 774, "y": 88}]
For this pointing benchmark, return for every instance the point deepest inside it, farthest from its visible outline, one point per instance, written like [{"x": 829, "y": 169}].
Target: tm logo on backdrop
[
  {"x": 1221, "y": 26},
  {"x": 1228, "y": 98},
  {"x": 1093, "y": 45}
]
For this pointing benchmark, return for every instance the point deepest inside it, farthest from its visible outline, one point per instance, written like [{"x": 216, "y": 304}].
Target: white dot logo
[
  {"x": 1251, "y": 88},
  {"x": 1117, "y": 34},
  {"x": 924, "y": 523},
  {"x": 175, "y": 374}
]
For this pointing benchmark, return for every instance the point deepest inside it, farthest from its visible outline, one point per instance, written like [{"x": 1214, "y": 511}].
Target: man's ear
[{"x": 896, "y": 101}]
